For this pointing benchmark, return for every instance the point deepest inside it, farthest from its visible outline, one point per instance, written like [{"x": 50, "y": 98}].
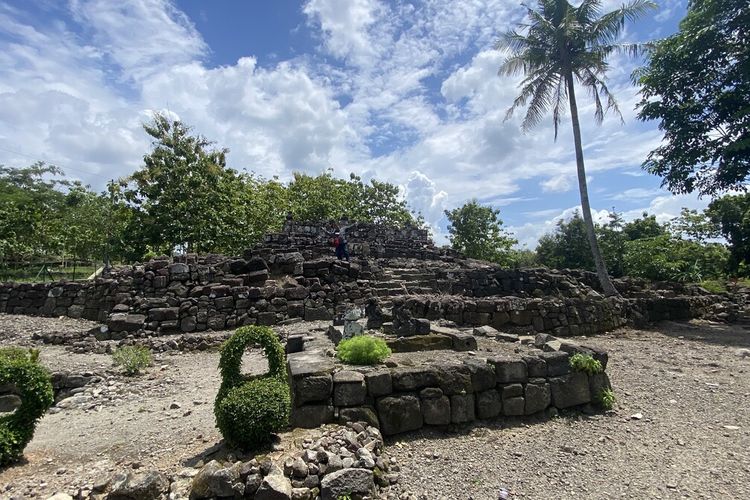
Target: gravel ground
[{"x": 689, "y": 381}]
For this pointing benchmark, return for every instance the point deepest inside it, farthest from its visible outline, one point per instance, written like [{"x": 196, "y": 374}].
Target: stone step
[
  {"x": 386, "y": 284},
  {"x": 388, "y": 292}
]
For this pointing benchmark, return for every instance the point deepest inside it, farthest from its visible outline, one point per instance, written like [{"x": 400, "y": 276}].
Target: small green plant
[
  {"x": 363, "y": 350},
  {"x": 714, "y": 286},
  {"x": 19, "y": 368},
  {"x": 344, "y": 497},
  {"x": 132, "y": 358},
  {"x": 249, "y": 409},
  {"x": 606, "y": 399},
  {"x": 585, "y": 363}
]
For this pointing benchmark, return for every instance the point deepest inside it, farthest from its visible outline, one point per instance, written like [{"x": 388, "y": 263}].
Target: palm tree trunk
[{"x": 601, "y": 269}]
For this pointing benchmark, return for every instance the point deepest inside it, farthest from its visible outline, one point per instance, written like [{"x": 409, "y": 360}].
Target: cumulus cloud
[{"x": 406, "y": 92}]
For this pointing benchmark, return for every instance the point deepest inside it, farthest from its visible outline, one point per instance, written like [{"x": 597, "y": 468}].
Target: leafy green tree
[
  {"x": 567, "y": 247},
  {"x": 179, "y": 190},
  {"x": 731, "y": 214},
  {"x": 697, "y": 84},
  {"x": 694, "y": 225},
  {"x": 665, "y": 258},
  {"x": 476, "y": 231},
  {"x": 563, "y": 44},
  {"x": 324, "y": 197},
  {"x": 31, "y": 205},
  {"x": 86, "y": 217},
  {"x": 645, "y": 227}
]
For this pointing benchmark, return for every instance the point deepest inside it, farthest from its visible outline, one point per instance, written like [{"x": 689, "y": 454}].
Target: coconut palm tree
[{"x": 562, "y": 45}]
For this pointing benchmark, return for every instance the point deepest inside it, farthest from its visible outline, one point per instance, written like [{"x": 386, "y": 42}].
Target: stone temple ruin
[{"x": 471, "y": 340}]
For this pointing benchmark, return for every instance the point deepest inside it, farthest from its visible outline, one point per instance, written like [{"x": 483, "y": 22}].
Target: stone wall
[
  {"x": 161, "y": 296},
  {"x": 562, "y": 316},
  {"x": 364, "y": 240},
  {"x": 405, "y": 399}
]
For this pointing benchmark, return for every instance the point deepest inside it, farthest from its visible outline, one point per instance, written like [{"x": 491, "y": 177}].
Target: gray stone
[
  {"x": 570, "y": 390},
  {"x": 310, "y": 416},
  {"x": 179, "y": 268},
  {"x": 188, "y": 324},
  {"x": 316, "y": 313},
  {"x": 489, "y": 404},
  {"x": 215, "y": 480},
  {"x": 312, "y": 389},
  {"x": 295, "y": 343},
  {"x": 455, "y": 379},
  {"x": 557, "y": 363},
  {"x": 399, "y": 414},
  {"x": 352, "y": 482},
  {"x": 274, "y": 487},
  {"x": 163, "y": 313},
  {"x": 598, "y": 382},
  {"x": 513, "y": 406},
  {"x": 359, "y": 414},
  {"x": 538, "y": 397},
  {"x": 512, "y": 391},
  {"x": 535, "y": 366},
  {"x": 349, "y": 388},
  {"x": 436, "y": 408},
  {"x": 482, "y": 375},
  {"x": 150, "y": 485},
  {"x": 9, "y": 402},
  {"x": 252, "y": 483},
  {"x": 462, "y": 408},
  {"x": 509, "y": 370},
  {"x": 507, "y": 337},
  {"x": 122, "y": 322},
  {"x": 409, "y": 379},
  {"x": 379, "y": 383},
  {"x": 485, "y": 331}
]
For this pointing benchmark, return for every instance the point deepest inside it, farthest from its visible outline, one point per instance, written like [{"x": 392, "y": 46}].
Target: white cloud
[{"x": 424, "y": 106}]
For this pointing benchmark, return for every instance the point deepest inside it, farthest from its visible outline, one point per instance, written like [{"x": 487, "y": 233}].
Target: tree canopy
[
  {"x": 696, "y": 83},
  {"x": 476, "y": 231}
]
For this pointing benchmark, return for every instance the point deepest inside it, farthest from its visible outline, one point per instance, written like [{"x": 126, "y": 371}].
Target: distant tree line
[{"x": 183, "y": 198}]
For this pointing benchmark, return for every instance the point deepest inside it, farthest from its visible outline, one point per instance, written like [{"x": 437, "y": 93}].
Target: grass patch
[
  {"x": 585, "y": 363},
  {"x": 132, "y": 358},
  {"x": 606, "y": 399},
  {"x": 363, "y": 350}
]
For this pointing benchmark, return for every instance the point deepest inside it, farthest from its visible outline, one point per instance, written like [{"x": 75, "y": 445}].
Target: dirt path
[{"x": 690, "y": 382}]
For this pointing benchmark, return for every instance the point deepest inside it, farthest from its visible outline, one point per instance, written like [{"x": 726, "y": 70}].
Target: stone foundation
[{"x": 405, "y": 398}]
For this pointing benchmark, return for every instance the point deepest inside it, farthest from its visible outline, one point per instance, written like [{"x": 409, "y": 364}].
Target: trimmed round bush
[
  {"x": 249, "y": 414},
  {"x": 20, "y": 368},
  {"x": 363, "y": 350},
  {"x": 249, "y": 409}
]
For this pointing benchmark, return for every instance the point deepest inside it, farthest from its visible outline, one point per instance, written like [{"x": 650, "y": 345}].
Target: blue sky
[{"x": 402, "y": 90}]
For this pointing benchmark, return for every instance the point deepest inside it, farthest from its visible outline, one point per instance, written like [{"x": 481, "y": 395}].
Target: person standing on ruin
[{"x": 341, "y": 248}]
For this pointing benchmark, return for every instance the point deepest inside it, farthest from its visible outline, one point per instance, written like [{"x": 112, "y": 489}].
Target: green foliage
[
  {"x": 567, "y": 247},
  {"x": 731, "y": 215},
  {"x": 363, "y": 350},
  {"x": 666, "y": 258},
  {"x": 132, "y": 358},
  {"x": 606, "y": 399},
  {"x": 694, "y": 225},
  {"x": 714, "y": 286},
  {"x": 585, "y": 363},
  {"x": 697, "y": 85},
  {"x": 476, "y": 231},
  {"x": 20, "y": 368},
  {"x": 642, "y": 247},
  {"x": 248, "y": 414},
  {"x": 248, "y": 410}
]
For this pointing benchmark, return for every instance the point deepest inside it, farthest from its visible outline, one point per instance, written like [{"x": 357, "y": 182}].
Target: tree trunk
[{"x": 601, "y": 269}]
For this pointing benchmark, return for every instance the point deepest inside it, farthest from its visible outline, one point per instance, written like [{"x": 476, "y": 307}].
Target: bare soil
[{"x": 689, "y": 382}]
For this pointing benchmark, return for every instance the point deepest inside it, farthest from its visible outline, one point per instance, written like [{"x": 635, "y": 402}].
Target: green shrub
[
  {"x": 363, "y": 350},
  {"x": 714, "y": 286},
  {"x": 20, "y": 368},
  {"x": 606, "y": 399},
  {"x": 132, "y": 358},
  {"x": 249, "y": 409},
  {"x": 251, "y": 412},
  {"x": 585, "y": 363}
]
